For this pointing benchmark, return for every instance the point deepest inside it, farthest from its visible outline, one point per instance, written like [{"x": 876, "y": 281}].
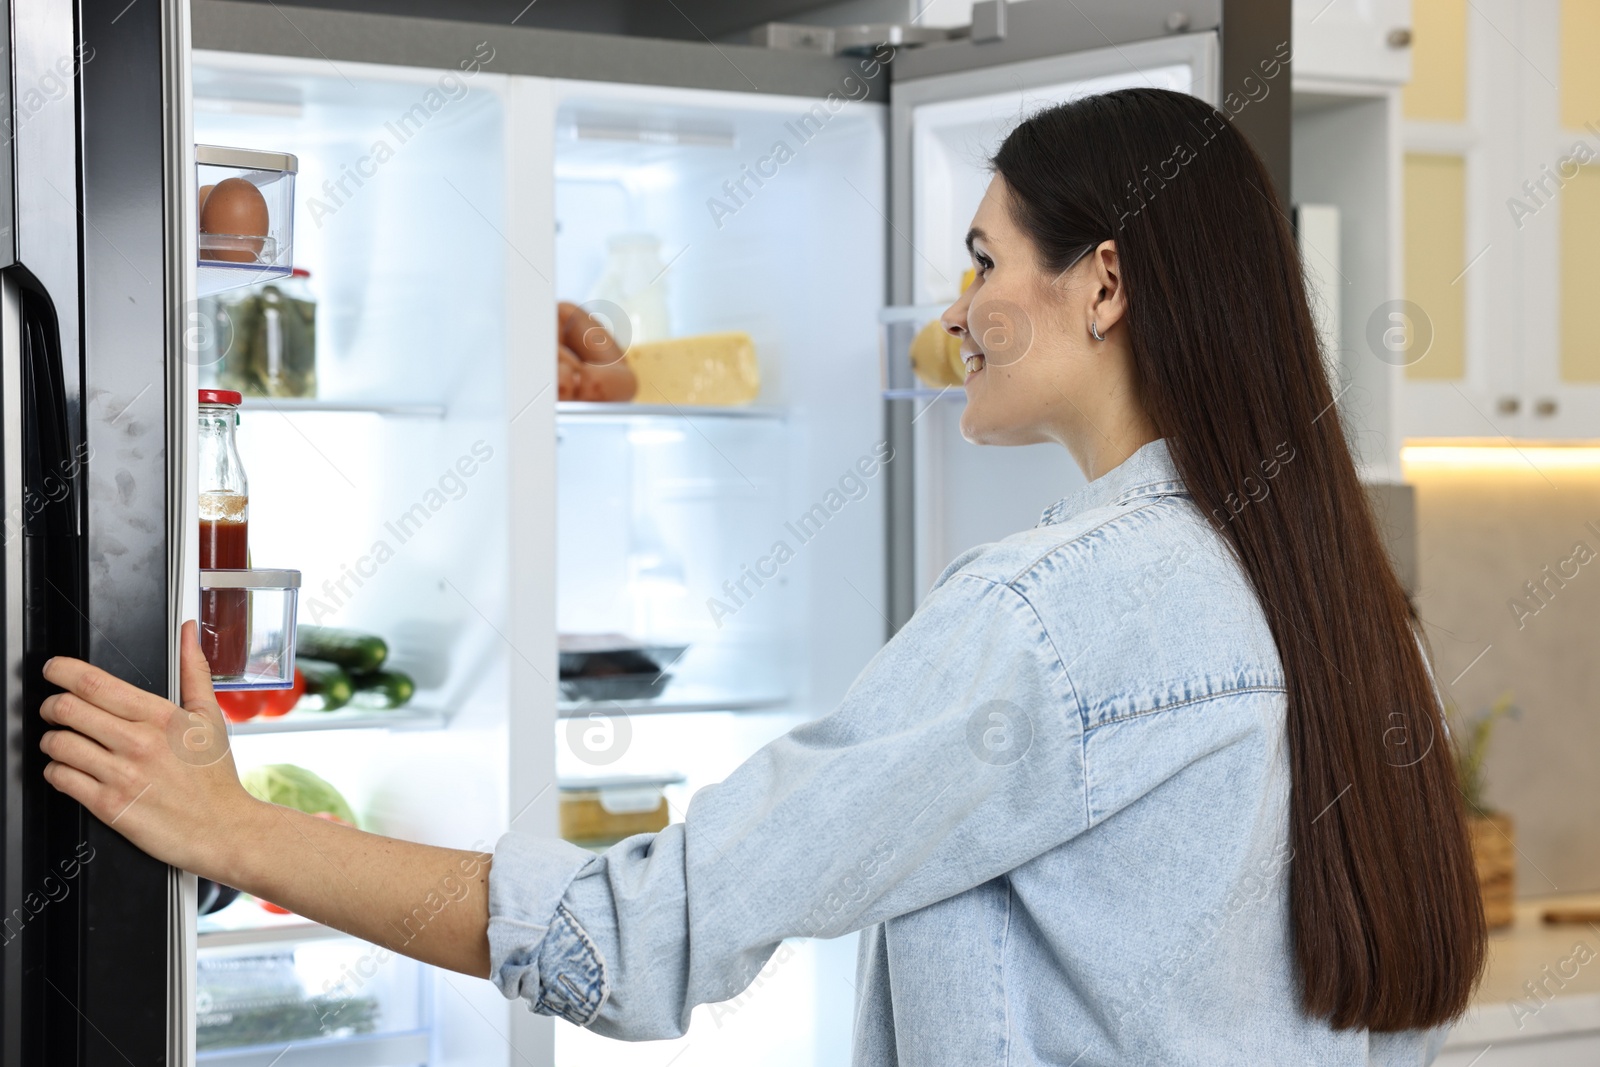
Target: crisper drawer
[{"x": 300, "y": 995}]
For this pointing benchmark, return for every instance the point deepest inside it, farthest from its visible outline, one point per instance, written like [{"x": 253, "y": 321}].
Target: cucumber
[
  {"x": 351, "y": 649},
  {"x": 382, "y": 689},
  {"x": 327, "y": 685}
]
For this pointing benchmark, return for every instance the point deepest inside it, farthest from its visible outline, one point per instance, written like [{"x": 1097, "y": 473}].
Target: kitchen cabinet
[
  {"x": 1345, "y": 156},
  {"x": 1367, "y": 41},
  {"x": 1501, "y": 223}
]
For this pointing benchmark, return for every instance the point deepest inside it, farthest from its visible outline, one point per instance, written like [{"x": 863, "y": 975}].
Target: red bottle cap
[{"x": 221, "y": 396}]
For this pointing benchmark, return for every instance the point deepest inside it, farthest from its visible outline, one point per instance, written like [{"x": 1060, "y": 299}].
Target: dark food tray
[
  {"x": 592, "y": 655},
  {"x": 614, "y": 667},
  {"x": 643, "y": 686}
]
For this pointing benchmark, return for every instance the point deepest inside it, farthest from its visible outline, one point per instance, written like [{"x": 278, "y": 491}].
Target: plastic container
[
  {"x": 269, "y": 600},
  {"x": 597, "y": 813},
  {"x": 292, "y": 985},
  {"x": 246, "y": 216}
]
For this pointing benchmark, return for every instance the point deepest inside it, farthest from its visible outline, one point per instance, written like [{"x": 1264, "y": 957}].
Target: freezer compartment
[
  {"x": 247, "y": 627},
  {"x": 306, "y": 994},
  {"x": 246, "y": 216}
]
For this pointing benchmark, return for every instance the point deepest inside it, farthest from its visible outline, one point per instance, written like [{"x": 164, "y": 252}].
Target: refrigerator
[{"x": 454, "y": 182}]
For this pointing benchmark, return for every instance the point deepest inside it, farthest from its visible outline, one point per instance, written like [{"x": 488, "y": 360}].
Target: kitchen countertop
[{"x": 1542, "y": 979}]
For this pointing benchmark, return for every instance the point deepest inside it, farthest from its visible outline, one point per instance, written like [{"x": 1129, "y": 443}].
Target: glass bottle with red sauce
[{"x": 224, "y": 534}]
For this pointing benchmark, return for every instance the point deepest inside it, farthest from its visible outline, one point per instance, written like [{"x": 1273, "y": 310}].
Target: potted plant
[{"x": 1491, "y": 832}]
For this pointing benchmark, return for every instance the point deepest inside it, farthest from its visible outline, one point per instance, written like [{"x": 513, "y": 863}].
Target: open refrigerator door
[{"x": 944, "y": 129}]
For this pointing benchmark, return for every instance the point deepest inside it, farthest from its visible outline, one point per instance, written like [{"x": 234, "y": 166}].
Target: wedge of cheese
[
  {"x": 935, "y": 355},
  {"x": 711, "y": 368}
]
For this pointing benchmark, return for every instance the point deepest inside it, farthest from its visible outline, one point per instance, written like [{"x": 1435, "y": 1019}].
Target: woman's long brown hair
[{"x": 1387, "y": 922}]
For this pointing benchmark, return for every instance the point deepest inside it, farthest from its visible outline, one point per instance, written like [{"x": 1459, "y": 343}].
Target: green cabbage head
[{"x": 297, "y": 788}]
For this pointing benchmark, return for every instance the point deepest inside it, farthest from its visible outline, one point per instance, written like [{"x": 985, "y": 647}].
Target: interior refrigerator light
[
  {"x": 622, "y": 128},
  {"x": 1500, "y": 456}
]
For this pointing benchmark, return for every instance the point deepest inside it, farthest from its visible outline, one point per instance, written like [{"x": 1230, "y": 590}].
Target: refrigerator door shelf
[
  {"x": 247, "y": 233},
  {"x": 898, "y": 328},
  {"x": 264, "y": 602},
  {"x": 212, "y": 278}
]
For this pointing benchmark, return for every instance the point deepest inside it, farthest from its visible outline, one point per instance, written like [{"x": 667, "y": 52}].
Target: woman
[{"x": 1161, "y": 780}]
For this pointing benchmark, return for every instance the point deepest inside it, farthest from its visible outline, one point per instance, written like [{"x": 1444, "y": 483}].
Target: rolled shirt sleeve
[
  {"x": 537, "y": 949},
  {"x": 956, "y": 756}
]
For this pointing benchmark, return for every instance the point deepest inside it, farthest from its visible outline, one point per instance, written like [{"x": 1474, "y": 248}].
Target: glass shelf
[
  {"x": 689, "y": 702},
  {"x": 299, "y": 404},
  {"x": 406, "y": 718},
  {"x": 578, "y": 409},
  {"x": 246, "y": 923}
]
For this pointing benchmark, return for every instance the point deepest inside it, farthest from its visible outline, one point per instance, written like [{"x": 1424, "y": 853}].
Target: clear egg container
[{"x": 246, "y": 234}]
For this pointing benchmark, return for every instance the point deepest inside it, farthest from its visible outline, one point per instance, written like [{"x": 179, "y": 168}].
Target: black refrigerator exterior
[{"x": 92, "y": 281}]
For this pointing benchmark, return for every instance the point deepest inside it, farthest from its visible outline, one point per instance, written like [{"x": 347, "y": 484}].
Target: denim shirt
[{"x": 1054, "y": 803}]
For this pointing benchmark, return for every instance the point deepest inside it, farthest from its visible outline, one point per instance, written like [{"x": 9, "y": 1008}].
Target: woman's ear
[{"x": 1110, "y": 302}]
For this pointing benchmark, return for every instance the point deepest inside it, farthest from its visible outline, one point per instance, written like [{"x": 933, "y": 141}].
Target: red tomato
[
  {"x": 270, "y": 906},
  {"x": 241, "y": 704},
  {"x": 281, "y": 701}
]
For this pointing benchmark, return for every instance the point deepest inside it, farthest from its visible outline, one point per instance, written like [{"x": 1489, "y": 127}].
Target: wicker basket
[{"x": 1496, "y": 859}]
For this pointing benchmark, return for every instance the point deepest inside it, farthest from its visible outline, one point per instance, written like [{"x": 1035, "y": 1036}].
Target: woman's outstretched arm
[
  {"x": 955, "y": 757},
  {"x": 163, "y": 777}
]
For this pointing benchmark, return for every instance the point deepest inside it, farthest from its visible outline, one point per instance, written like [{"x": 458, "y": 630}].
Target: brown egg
[
  {"x": 205, "y": 191},
  {"x": 236, "y": 208}
]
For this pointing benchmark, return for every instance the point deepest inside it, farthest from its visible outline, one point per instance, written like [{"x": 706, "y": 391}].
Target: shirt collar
[{"x": 1149, "y": 472}]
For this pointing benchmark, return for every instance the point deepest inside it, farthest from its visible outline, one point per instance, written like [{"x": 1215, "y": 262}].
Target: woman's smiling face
[{"x": 1033, "y": 368}]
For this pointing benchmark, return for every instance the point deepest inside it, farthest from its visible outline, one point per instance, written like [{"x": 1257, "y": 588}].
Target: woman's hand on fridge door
[
  {"x": 162, "y": 776},
  {"x": 159, "y": 774}
]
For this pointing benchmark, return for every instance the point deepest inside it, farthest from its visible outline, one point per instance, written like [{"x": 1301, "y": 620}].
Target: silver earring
[{"x": 1096, "y": 331}]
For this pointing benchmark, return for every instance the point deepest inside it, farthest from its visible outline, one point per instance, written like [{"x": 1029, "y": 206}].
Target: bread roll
[{"x": 569, "y": 374}]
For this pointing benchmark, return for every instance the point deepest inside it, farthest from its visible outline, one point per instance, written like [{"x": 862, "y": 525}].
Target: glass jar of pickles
[{"x": 267, "y": 338}]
